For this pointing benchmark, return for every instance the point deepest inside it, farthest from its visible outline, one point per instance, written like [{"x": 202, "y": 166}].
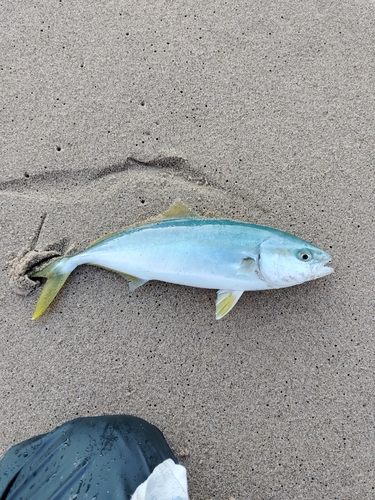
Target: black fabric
[{"x": 91, "y": 458}]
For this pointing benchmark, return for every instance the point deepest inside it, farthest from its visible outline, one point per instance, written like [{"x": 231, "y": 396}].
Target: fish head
[{"x": 287, "y": 260}]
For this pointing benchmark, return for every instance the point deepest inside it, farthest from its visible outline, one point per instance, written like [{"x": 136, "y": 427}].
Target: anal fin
[
  {"x": 226, "y": 300},
  {"x": 134, "y": 282}
]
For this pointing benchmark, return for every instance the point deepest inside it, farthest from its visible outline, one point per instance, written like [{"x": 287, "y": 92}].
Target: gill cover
[{"x": 287, "y": 263}]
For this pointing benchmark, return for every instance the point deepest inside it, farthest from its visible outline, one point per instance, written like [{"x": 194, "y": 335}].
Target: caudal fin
[{"x": 56, "y": 276}]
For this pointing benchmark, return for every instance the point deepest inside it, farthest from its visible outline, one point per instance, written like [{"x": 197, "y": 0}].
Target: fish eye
[{"x": 305, "y": 255}]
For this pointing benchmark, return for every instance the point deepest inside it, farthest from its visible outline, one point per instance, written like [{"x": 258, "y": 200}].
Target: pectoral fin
[
  {"x": 226, "y": 300},
  {"x": 247, "y": 266}
]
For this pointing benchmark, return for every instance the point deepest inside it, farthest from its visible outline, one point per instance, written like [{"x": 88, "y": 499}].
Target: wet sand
[{"x": 259, "y": 112}]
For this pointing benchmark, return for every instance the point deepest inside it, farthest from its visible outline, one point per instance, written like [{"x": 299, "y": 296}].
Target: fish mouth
[{"x": 324, "y": 270}]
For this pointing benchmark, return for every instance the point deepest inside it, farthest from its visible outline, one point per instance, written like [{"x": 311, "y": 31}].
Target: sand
[{"x": 255, "y": 111}]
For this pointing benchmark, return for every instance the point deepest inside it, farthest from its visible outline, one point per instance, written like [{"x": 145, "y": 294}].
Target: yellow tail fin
[{"x": 55, "y": 280}]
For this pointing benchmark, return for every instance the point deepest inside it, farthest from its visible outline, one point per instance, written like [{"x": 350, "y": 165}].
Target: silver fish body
[{"x": 230, "y": 256}]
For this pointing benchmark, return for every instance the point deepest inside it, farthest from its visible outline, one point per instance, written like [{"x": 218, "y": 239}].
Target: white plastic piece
[{"x": 168, "y": 482}]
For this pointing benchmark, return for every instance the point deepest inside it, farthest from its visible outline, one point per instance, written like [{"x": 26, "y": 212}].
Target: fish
[{"x": 184, "y": 248}]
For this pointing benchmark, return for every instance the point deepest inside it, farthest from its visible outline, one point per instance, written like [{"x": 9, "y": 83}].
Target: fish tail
[{"x": 56, "y": 273}]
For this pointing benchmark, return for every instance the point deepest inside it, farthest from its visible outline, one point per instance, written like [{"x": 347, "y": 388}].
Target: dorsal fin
[{"x": 178, "y": 210}]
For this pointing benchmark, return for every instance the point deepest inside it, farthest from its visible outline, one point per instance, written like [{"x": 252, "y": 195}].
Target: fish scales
[{"x": 193, "y": 252}]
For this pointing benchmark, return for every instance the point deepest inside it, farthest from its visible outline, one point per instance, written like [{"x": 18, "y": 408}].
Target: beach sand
[{"x": 256, "y": 111}]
